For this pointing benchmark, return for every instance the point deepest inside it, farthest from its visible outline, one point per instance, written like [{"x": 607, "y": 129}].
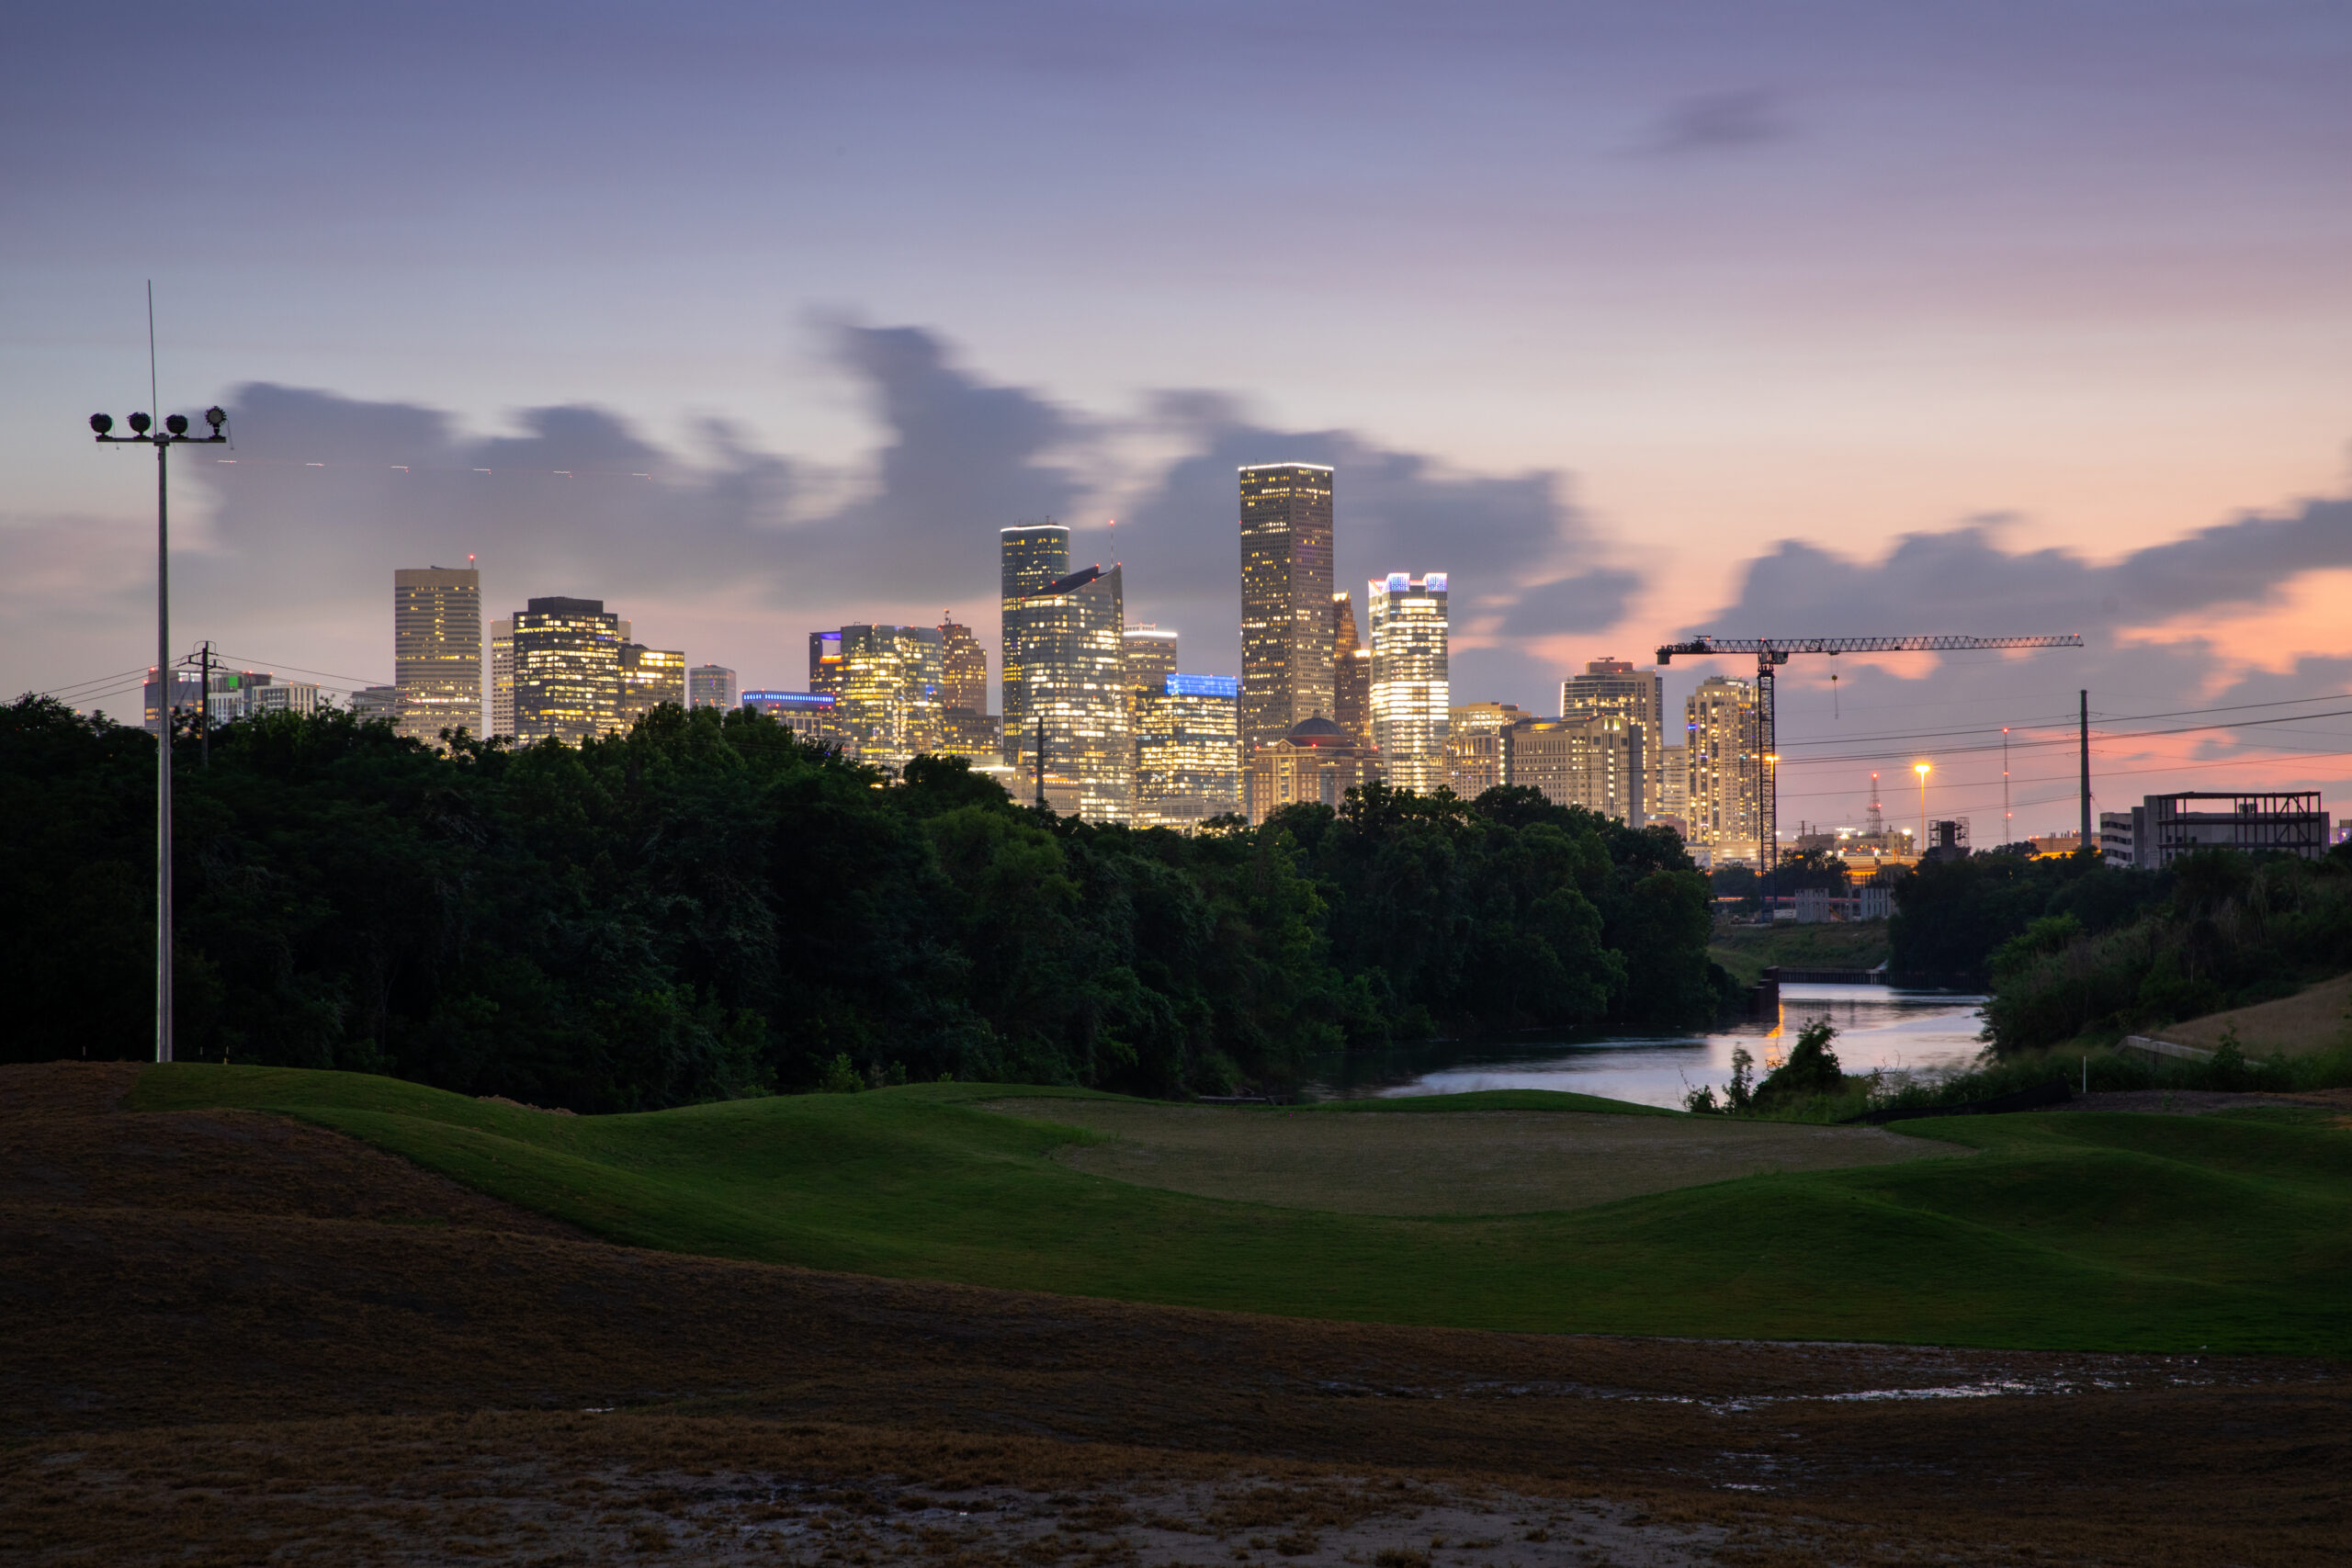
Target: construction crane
[{"x": 1771, "y": 653}]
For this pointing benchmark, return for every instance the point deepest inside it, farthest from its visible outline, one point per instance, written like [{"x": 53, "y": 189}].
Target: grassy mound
[{"x": 2066, "y": 1231}]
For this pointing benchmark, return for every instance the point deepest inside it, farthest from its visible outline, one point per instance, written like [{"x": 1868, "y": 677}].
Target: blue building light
[{"x": 1204, "y": 686}]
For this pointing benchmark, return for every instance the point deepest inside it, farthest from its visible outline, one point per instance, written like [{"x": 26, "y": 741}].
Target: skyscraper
[
  {"x": 1720, "y": 765},
  {"x": 501, "y": 676},
  {"x": 1350, "y": 673},
  {"x": 567, "y": 656},
  {"x": 1074, "y": 678},
  {"x": 1188, "y": 750},
  {"x": 825, "y": 662},
  {"x": 1592, "y": 760},
  {"x": 1612, "y": 686},
  {"x": 650, "y": 677},
  {"x": 964, "y": 668},
  {"x": 713, "y": 686},
  {"x": 437, "y": 649},
  {"x": 1285, "y": 598},
  {"x": 1151, "y": 659},
  {"x": 1478, "y": 746},
  {"x": 1409, "y": 691},
  {"x": 1030, "y": 556},
  {"x": 890, "y": 678}
]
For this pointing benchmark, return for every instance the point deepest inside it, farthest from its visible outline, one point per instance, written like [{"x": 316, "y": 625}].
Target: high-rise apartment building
[
  {"x": 825, "y": 662},
  {"x": 1286, "y": 642},
  {"x": 713, "y": 686},
  {"x": 1150, "y": 655},
  {"x": 437, "y": 649},
  {"x": 890, "y": 678},
  {"x": 1350, "y": 674},
  {"x": 567, "y": 656},
  {"x": 1029, "y": 557},
  {"x": 1592, "y": 760},
  {"x": 1477, "y": 756},
  {"x": 1188, "y": 750},
  {"x": 1410, "y": 689},
  {"x": 1612, "y": 686},
  {"x": 501, "y": 676},
  {"x": 1722, "y": 804},
  {"x": 1673, "y": 787},
  {"x": 964, "y": 668},
  {"x": 650, "y": 677},
  {"x": 1074, "y": 681}
]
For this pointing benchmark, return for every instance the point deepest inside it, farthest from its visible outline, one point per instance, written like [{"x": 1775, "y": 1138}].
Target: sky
[{"x": 1755, "y": 319}]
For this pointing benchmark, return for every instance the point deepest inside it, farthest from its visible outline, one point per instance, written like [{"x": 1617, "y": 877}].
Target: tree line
[{"x": 707, "y": 906}]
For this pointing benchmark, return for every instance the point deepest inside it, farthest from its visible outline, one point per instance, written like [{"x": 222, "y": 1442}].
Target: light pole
[
  {"x": 1921, "y": 769},
  {"x": 174, "y": 434}
]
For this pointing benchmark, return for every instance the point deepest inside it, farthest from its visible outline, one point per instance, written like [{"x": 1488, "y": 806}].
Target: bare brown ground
[
  {"x": 1484, "y": 1162},
  {"x": 191, "y": 1386},
  {"x": 2318, "y": 1018}
]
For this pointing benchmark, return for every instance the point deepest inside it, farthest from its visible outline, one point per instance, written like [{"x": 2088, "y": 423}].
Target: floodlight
[
  {"x": 216, "y": 419},
  {"x": 102, "y": 423},
  {"x": 139, "y": 422},
  {"x": 176, "y": 424}
]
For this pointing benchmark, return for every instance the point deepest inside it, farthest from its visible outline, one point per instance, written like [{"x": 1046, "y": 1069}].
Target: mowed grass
[{"x": 2065, "y": 1231}]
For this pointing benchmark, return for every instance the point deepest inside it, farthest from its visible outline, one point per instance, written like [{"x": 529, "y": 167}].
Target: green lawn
[{"x": 2112, "y": 1232}]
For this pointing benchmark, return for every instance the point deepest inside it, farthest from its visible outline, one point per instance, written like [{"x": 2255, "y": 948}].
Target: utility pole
[
  {"x": 175, "y": 433},
  {"x": 2086, "y": 698},
  {"x": 204, "y": 673},
  {"x": 2008, "y": 823}
]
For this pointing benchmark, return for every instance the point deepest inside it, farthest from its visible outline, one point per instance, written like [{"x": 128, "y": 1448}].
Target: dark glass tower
[{"x": 1286, "y": 639}]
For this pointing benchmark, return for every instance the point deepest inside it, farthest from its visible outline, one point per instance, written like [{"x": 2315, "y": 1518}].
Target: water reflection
[{"x": 1879, "y": 1026}]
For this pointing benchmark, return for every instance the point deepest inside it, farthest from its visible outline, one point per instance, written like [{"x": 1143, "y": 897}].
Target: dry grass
[
  {"x": 203, "y": 1386},
  {"x": 2318, "y": 1019},
  {"x": 1489, "y": 1162}
]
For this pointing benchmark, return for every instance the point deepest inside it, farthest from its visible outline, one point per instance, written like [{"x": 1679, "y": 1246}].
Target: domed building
[{"x": 1315, "y": 761}]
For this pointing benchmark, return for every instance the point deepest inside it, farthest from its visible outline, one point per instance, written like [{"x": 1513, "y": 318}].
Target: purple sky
[{"x": 1755, "y": 318}]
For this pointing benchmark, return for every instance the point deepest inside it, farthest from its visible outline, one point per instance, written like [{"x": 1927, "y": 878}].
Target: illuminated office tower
[
  {"x": 1612, "y": 686},
  {"x": 437, "y": 649},
  {"x": 1188, "y": 750},
  {"x": 1721, "y": 767},
  {"x": 1074, "y": 675},
  {"x": 186, "y": 696},
  {"x": 964, "y": 668},
  {"x": 1029, "y": 557},
  {"x": 1410, "y": 694},
  {"x": 1592, "y": 760},
  {"x": 713, "y": 686},
  {"x": 825, "y": 662},
  {"x": 376, "y": 704},
  {"x": 1478, "y": 746},
  {"x": 1350, "y": 674},
  {"x": 1674, "y": 788},
  {"x": 650, "y": 677},
  {"x": 890, "y": 678},
  {"x": 567, "y": 670},
  {"x": 1151, "y": 659},
  {"x": 501, "y": 676},
  {"x": 1285, "y": 598}
]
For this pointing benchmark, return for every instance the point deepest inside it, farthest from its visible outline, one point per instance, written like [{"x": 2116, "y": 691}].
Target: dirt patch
[
  {"x": 2314, "y": 1020},
  {"x": 1489, "y": 1162}
]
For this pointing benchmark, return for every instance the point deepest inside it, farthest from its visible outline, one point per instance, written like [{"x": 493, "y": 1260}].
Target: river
[{"x": 1878, "y": 1026}]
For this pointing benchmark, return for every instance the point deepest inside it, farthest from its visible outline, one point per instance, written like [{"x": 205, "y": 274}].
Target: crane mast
[{"x": 1772, "y": 652}]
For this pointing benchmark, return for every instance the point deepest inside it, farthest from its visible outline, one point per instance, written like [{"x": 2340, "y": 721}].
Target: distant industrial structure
[{"x": 2162, "y": 828}]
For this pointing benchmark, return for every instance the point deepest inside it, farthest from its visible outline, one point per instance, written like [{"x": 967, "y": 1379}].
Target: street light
[
  {"x": 1921, "y": 769},
  {"x": 174, "y": 434}
]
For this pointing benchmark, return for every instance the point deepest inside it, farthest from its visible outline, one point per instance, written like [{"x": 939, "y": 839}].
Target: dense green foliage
[
  {"x": 1950, "y": 915},
  {"x": 705, "y": 908},
  {"x": 2124, "y": 1232},
  {"x": 2219, "y": 930}
]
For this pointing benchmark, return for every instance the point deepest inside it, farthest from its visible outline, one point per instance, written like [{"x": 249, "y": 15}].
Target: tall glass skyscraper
[
  {"x": 437, "y": 649},
  {"x": 964, "y": 681},
  {"x": 567, "y": 656},
  {"x": 1188, "y": 750},
  {"x": 1030, "y": 557},
  {"x": 1612, "y": 686},
  {"x": 889, "y": 691},
  {"x": 1350, "y": 674},
  {"x": 650, "y": 677},
  {"x": 501, "y": 676},
  {"x": 1074, "y": 672},
  {"x": 1285, "y": 598},
  {"x": 1409, "y": 690}
]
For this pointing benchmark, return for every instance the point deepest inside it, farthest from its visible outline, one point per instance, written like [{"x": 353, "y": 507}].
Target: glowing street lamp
[
  {"x": 174, "y": 434},
  {"x": 1921, "y": 769}
]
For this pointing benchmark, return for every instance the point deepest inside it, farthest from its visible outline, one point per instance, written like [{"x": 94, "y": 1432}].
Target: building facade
[
  {"x": 825, "y": 661},
  {"x": 1074, "y": 675},
  {"x": 1285, "y": 598},
  {"x": 567, "y": 655},
  {"x": 1350, "y": 672},
  {"x": 1029, "y": 557},
  {"x": 808, "y": 714},
  {"x": 889, "y": 685},
  {"x": 1721, "y": 768},
  {"x": 1188, "y": 750},
  {"x": 1478, "y": 740},
  {"x": 2162, "y": 828},
  {"x": 963, "y": 668},
  {"x": 376, "y": 704},
  {"x": 1315, "y": 764},
  {"x": 1594, "y": 761},
  {"x": 650, "y": 677},
  {"x": 1410, "y": 694},
  {"x": 437, "y": 649},
  {"x": 1612, "y": 686},
  {"x": 713, "y": 686},
  {"x": 501, "y": 676}
]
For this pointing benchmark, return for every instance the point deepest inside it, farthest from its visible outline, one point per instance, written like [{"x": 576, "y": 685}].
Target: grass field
[
  {"x": 1745, "y": 950},
  {"x": 2074, "y": 1231},
  {"x": 2316, "y": 1018}
]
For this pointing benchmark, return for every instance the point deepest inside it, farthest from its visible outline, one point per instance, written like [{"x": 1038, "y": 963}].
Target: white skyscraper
[{"x": 1409, "y": 690}]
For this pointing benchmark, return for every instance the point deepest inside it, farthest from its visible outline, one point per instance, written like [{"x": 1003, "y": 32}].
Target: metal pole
[
  {"x": 2088, "y": 840},
  {"x": 164, "y": 672}
]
